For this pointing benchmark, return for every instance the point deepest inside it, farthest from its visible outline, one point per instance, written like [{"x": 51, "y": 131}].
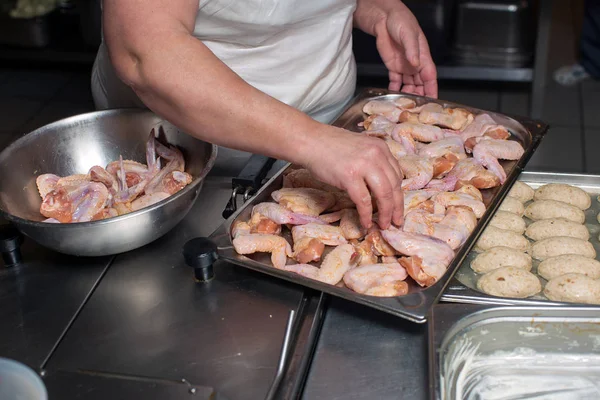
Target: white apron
[{"x": 297, "y": 51}]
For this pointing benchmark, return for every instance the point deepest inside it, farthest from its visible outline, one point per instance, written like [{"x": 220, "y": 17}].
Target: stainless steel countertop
[
  {"x": 141, "y": 325},
  {"x": 367, "y": 354},
  {"x": 39, "y": 298}
]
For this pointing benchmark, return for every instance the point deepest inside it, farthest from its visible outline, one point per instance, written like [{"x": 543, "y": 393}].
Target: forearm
[{"x": 180, "y": 79}]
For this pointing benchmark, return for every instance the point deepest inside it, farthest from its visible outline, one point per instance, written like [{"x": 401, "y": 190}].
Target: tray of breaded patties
[
  {"x": 540, "y": 248},
  {"x": 458, "y": 164}
]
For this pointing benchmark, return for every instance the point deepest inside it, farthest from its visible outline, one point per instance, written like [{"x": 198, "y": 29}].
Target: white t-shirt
[{"x": 298, "y": 51}]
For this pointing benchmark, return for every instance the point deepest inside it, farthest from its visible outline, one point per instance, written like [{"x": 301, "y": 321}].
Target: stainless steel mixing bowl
[{"x": 73, "y": 145}]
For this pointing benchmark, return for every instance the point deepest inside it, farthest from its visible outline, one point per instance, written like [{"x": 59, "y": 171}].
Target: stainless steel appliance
[{"x": 496, "y": 33}]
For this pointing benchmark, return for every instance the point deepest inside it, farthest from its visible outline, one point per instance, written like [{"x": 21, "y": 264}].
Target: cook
[{"x": 266, "y": 77}]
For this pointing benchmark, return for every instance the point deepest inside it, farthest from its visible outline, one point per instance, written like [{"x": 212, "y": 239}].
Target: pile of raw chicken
[
  {"x": 120, "y": 188},
  {"x": 446, "y": 155}
]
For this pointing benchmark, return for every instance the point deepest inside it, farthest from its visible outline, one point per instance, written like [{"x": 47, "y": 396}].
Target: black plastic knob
[
  {"x": 201, "y": 254},
  {"x": 10, "y": 245}
]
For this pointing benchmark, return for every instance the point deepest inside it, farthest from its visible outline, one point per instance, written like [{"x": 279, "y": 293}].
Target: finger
[
  {"x": 380, "y": 186},
  {"x": 428, "y": 72},
  {"x": 418, "y": 80},
  {"x": 388, "y": 50},
  {"x": 431, "y": 89},
  {"x": 419, "y": 89},
  {"x": 398, "y": 196},
  {"x": 394, "y": 163},
  {"x": 409, "y": 84},
  {"x": 398, "y": 175},
  {"x": 408, "y": 36},
  {"x": 398, "y": 216},
  {"x": 395, "y": 81},
  {"x": 360, "y": 195}
]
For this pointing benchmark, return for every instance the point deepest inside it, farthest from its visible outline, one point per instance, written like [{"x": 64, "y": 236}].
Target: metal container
[
  {"x": 416, "y": 304},
  {"x": 514, "y": 352},
  {"x": 73, "y": 145},
  {"x": 494, "y": 33},
  {"x": 463, "y": 287}
]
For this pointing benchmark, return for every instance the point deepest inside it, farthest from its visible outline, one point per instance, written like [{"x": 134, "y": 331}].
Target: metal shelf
[
  {"x": 461, "y": 72},
  {"x": 485, "y": 73}
]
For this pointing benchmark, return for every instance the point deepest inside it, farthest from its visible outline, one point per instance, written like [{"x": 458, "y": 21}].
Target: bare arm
[{"x": 178, "y": 77}]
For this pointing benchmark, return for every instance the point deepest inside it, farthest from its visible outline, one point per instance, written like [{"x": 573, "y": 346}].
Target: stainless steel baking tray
[
  {"x": 484, "y": 352},
  {"x": 463, "y": 288},
  {"x": 415, "y": 305}
]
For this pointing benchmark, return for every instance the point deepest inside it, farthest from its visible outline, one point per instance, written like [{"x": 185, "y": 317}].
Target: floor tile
[
  {"x": 592, "y": 144},
  {"x": 590, "y": 93},
  {"x": 77, "y": 89},
  {"x": 33, "y": 83},
  {"x": 515, "y": 102},
  {"x": 15, "y": 112},
  {"x": 560, "y": 150},
  {"x": 562, "y": 105},
  {"x": 55, "y": 111}
]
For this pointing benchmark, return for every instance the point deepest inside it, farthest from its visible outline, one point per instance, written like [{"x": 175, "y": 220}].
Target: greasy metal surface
[
  {"x": 149, "y": 318},
  {"x": 99, "y": 386},
  {"x": 308, "y": 335},
  {"x": 366, "y": 354},
  {"x": 416, "y": 304},
  {"x": 38, "y": 299},
  {"x": 73, "y": 145},
  {"x": 535, "y": 332},
  {"x": 463, "y": 288}
]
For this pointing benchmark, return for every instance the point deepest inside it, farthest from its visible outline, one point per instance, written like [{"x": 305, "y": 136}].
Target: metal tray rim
[
  {"x": 414, "y": 307},
  {"x": 462, "y": 316},
  {"x": 456, "y": 292}
]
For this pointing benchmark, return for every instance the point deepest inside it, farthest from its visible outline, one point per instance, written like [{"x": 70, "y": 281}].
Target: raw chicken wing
[
  {"x": 281, "y": 215},
  {"x": 307, "y": 201},
  {"x": 453, "y": 118},
  {"x": 489, "y": 151},
  {"x": 384, "y": 279},
  {"x": 470, "y": 170},
  {"x": 252, "y": 243},
  {"x": 418, "y": 171},
  {"x": 427, "y": 258},
  {"x": 482, "y": 125},
  {"x": 447, "y": 199},
  {"x": 328, "y": 234},
  {"x": 75, "y": 203},
  {"x": 449, "y": 145},
  {"x": 350, "y": 224},
  {"x": 387, "y": 109},
  {"x": 420, "y": 132},
  {"x": 333, "y": 267},
  {"x": 310, "y": 240},
  {"x": 46, "y": 183}
]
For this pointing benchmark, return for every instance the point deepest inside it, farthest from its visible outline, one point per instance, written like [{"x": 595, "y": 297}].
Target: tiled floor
[{"x": 30, "y": 98}]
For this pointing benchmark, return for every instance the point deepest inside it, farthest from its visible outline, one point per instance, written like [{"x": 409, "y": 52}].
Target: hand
[
  {"x": 361, "y": 166},
  {"x": 405, "y": 52}
]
